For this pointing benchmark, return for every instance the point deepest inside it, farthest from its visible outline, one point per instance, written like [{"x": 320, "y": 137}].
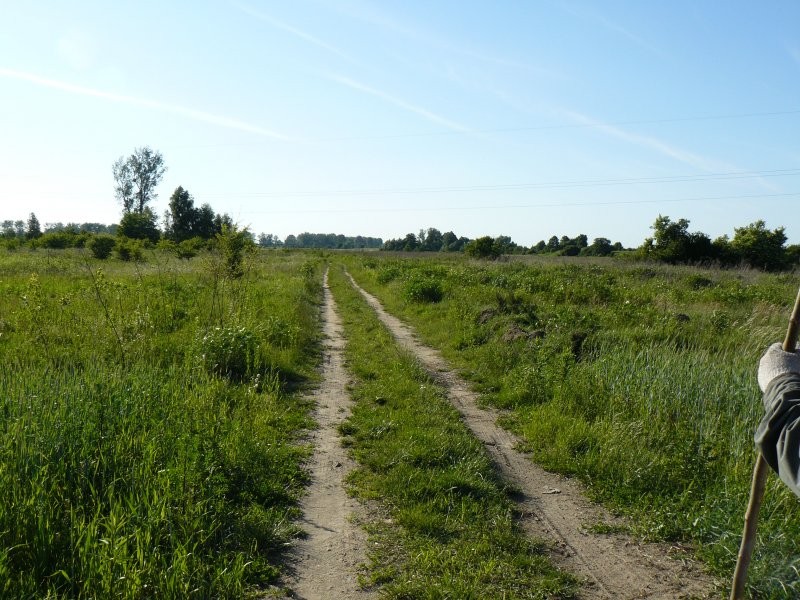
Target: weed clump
[
  {"x": 228, "y": 352},
  {"x": 424, "y": 291}
]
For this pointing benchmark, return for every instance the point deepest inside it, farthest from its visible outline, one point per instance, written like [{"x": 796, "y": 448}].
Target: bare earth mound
[
  {"x": 325, "y": 564},
  {"x": 553, "y": 507}
]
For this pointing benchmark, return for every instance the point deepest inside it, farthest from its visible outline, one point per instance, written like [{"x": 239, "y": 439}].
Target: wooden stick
[{"x": 760, "y": 473}]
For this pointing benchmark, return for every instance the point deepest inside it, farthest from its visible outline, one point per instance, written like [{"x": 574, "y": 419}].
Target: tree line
[
  {"x": 433, "y": 240},
  {"x": 753, "y": 245},
  {"x": 187, "y": 228}
]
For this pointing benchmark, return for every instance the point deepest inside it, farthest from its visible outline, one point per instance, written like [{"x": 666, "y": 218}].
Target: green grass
[
  {"x": 130, "y": 466},
  {"x": 638, "y": 379},
  {"x": 449, "y": 530}
]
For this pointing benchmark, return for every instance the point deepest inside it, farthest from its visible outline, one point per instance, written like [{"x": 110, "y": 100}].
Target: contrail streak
[{"x": 183, "y": 111}]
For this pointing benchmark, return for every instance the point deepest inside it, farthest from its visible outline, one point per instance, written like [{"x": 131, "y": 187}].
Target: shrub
[
  {"x": 101, "y": 246},
  {"x": 140, "y": 226},
  {"x": 189, "y": 248},
  {"x": 234, "y": 244},
  {"x": 424, "y": 290},
  {"x": 387, "y": 274},
  {"x": 228, "y": 351},
  {"x": 128, "y": 249}
]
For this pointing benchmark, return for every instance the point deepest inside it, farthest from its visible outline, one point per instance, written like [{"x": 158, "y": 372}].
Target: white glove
[{"x": 776, "y": 362}]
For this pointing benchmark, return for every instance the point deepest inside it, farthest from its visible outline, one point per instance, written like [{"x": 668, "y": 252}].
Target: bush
[
  {"x": 189, "y": 248},
  {"x": 228, "y": 352},
  {"x": 55, "y": 240},
  {"x": 234, "y": 244},
  {"x": 139, "y": 226},
  {"x": 128, "y": 249},
  {"x": 424, "y": 291},
  {"x": 101, "y": 246}
]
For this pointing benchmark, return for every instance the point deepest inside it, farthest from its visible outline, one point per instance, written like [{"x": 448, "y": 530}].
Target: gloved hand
[{"x": 776, "y": 362}]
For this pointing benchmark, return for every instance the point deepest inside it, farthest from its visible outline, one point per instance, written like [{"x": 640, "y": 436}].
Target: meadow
[
  {"x": 638, "y": 379},
  {"x": 152, "y": 416},
  {"x": 150, "y": 422}
]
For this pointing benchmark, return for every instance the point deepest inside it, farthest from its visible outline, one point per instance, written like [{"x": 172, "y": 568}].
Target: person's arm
[{"x": 778, "y": 434}]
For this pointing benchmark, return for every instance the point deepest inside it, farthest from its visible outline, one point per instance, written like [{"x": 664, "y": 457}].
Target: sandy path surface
[
  {"x": 324, "y": 565},
  {"x": 555, "y": 508}
]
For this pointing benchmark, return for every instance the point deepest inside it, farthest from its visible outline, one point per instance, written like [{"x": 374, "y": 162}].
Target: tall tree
[
  {"x": 136, "y": 178},
  {"x": 183, "y": 216},
  {"x": 205, "y": 226},
  {"x": 34, "y": 229}
]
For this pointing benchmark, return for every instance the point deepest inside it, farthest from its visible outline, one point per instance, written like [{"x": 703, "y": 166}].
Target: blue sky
[{"x": 523, "y": 118}]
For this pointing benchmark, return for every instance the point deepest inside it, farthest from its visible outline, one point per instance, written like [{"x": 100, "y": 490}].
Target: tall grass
[
  {"x": 638, "y": 379},
  {"x": 129, "y": 467}
]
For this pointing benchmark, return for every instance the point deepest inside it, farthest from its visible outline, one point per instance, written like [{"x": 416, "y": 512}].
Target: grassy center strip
[{"x": 450, "y": 530}]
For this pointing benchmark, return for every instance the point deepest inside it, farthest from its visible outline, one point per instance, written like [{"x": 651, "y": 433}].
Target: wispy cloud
[
  {"x": 182, "y": 111},
  {"x": 303, "y": 35},
  {"x": 370, "y": 14},
  {"x": 679, "y": 154},
  {"x": 400, "y": 103},
  {"x": 689, "y": 158},
  {"x": 604, "y": 21}
]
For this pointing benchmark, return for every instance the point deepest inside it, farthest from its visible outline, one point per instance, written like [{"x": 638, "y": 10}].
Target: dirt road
[
  {"x": 552, "y": 507},
  {"x": 325, "y": 564}
]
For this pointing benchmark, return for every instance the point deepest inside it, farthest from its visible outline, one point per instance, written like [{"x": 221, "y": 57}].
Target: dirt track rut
[
  {"x": 324, "y": 565},
  {"x": 555, "y": 508}
]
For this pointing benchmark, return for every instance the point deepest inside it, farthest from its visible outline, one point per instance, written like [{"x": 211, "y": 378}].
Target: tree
[
  {"x": 504, "y": 245},
  {"x": 33, "y": 230},
  {"x": 482, "y": 247},
  {"x": 431, "y": 240},
  {"x": 410, "y": 242},
  {"x": 672, "y": 242},
  {"x": 183, "y": 216},
  {"x": 760, "y": 247},
  {"x": 205, "y": 227},
  {"x": 600, "y": 247},
  {"x": 136, "y": 178}
]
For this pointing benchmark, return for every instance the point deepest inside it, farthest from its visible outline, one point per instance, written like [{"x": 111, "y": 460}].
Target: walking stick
[{"x": 760, "y": 473}]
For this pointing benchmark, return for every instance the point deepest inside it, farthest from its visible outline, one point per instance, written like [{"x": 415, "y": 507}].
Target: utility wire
[
  {"x": 515, "y": 129},
  {"x": 516, "y": 206},
  {"x": 733, "y": 175}
]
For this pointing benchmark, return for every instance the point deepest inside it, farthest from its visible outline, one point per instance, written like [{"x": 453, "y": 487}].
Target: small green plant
[
  {"x": 228, "y": 351},
  {"x": 101, "y": 246},
  {"x": 234, "y": 244},
  {"x": 425, "y": 290}
]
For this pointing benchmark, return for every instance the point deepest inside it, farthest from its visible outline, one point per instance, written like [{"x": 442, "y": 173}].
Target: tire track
[
  {"x": 324, "y": 565},
  {"x": 553, "y": 507}
]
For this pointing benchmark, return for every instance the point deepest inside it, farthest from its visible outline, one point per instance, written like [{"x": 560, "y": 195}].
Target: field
[
  {"x": 154, "y": 417},
  {"x": 637, "y": 379},
  {"x": 150, "y": 414}
]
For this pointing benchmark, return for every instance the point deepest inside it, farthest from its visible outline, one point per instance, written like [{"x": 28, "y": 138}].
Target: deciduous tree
[{"x": 136, "y": 178}]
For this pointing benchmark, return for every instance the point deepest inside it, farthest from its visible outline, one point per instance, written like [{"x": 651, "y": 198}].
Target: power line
[
  {"x": 515, "y": 129},
  {"x": 516, "y": 206},
  {"x": 732, "y": 175}
]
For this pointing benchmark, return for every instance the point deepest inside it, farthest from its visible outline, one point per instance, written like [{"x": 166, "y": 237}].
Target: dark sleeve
[{"x": 778, "y": 434}]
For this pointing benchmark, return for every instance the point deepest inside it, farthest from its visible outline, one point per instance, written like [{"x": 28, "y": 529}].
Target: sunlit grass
[
  {"x": 639, "y": 379},
  {"x": 129, "y": 469}
]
